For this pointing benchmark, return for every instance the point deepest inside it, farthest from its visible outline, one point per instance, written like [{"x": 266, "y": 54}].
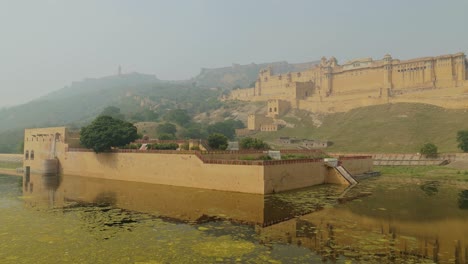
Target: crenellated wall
[{"x": 359, "y": 80}]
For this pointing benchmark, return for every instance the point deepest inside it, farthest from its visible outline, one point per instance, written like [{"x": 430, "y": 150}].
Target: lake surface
[{"x": 84, "y": 220}]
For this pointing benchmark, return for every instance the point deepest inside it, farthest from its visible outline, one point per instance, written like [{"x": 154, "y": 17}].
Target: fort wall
[
  {"x": 364, "y": 82},
  {"x": 206, "y": 170}
]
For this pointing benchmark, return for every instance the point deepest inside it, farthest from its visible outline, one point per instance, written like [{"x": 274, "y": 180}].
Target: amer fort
[
  {"x": 327, "y": 87},
  {"x": 332, "y": 87}
]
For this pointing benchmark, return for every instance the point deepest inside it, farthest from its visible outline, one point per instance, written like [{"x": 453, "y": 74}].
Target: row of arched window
[{"x": 28, "y": 156}]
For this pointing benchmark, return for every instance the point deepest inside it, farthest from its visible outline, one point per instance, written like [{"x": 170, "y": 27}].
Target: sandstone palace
[{"x": 331, "y": 87}]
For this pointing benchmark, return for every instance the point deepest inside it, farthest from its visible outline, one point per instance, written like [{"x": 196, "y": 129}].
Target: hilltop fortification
[{"x": 331, "y": 87}]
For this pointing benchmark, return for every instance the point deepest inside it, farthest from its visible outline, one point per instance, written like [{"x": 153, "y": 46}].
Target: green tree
[
  {"x": 106, "y": 132},
  {"x": 462, "y": 139},
  {"x": 194, "y": 132},
  {"x": 218, "y": 141},
  {"x": 166, "y": 128},
  {"x": 113, "y": 112},
  {"x": 429, "y": 149},
  {"x": 178, "y": 116},
  {"x": 253, "y": 143},
  {"x": 227, "y": 127},
  {"x": 145, "y": 115}
]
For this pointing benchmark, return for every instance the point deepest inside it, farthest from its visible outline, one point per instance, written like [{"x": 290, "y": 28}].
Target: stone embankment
[{"x": 408, "y": 159}]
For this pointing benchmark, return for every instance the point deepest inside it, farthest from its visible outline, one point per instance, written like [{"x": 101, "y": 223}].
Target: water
[{"x": 84, "y": 220}]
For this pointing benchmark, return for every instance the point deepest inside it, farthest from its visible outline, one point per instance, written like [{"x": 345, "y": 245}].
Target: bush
[
  {"x": 218, "y": 141},
  {"x": 195, "y": 148},
  {"x": 165, "y": 146},
  {"x": 429, "y": 149},
  {"x": 253, "y": 143},
  {"x": 185, "y": 146},
  {"x": 462, "y": 139},
  {"x": 166, "y": 128}
]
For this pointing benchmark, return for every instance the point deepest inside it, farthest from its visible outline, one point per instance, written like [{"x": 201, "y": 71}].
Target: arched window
[
  {"x": 270, "y": 110},
  {"x": 32, "y": 154},
  {"x": 26, "y": 155},
  {"x": 276, "y": 109}
]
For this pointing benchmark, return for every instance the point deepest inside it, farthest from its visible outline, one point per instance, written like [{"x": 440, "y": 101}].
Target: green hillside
[{"x": 401, "y": 127}]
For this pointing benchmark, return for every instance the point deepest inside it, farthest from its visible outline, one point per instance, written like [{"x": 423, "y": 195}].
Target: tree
[
  {"x": 113, "y": 112},
  {"x": 178, "y": 116},
  {"x": 106, "y": 132},
  {"x": 194, "y": 132},
  {"x": 218, "y": 141},
  {"x": 429, "y": 149},
  {"x": 166, "y": 137},
  {"x": 166, "y": 128},
  {"x": 227, "y": 127},
  {"x": 462, "y": 139},
  {"x": 253, "y": 143}
]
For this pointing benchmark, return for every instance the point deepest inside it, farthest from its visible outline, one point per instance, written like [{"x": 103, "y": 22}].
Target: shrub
[
  {"x": 166, "y": 137},
  {"x": 462, "y": 139},
  {"x": 429, "y": 149},
  {"x": 165, "y": 146},
  {"x": 253, "y": 143},
  {"x": 218, "y": 141}
]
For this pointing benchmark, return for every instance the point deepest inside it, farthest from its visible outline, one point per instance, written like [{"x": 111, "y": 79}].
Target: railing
[
  {"x": 354, "y": 157},
  {"x": 200, "y": 155}
]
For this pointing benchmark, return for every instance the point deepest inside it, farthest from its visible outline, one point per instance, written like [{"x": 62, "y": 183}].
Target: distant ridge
[{"x": 243, "y": 75}]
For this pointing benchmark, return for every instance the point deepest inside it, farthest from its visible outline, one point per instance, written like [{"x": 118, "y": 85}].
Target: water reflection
[
  {"x": 389, "y": 222},
  {"x": 463, "y": 199}
]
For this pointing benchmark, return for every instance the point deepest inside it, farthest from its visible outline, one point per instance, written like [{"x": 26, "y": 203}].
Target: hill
[
  {"x": 140, "y": 98},
  {"x": 391, "y": 128},
  {"x": 243, "y": 75}
]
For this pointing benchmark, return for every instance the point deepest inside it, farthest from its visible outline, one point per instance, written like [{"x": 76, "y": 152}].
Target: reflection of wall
[
  {"x": 350, "y": 232},
  {"x": 186, "y": 204}
]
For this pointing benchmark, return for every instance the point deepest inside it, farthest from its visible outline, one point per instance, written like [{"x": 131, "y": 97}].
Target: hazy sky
[{"x": 47, "y": 44}]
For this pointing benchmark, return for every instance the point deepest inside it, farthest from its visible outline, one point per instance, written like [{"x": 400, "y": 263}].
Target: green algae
[
  {"x": 223, "y": 247},
  {"x": 36, "y": 231}
]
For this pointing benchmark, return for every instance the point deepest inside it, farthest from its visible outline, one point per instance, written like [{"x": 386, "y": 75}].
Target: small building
[
  {"x": 269, "y": 127},
  {"x": 288, "y": 140},
  {"x": 277, "y": 107},
  {"x": 254, "y": 121},
  {"x": 314, "y": 144}
]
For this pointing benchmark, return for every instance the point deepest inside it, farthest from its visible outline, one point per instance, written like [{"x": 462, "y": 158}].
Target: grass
[
  {"x": 424, "y": 172},
  {"x": 390, "y": 128}
]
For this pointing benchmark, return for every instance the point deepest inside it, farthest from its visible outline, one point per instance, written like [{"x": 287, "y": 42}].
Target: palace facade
[{"x": 362, "y": 82}]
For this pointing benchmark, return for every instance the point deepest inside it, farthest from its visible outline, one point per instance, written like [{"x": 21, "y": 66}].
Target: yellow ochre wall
[
  {"x": 357, "y": 166},
  {"x": 291, "y": 176},
  {"x": 175, "y": 168},
  {"x": 40, "y": 140},
  {"x": 171, "y": 169},
  {"x": 363, "y": 82}
]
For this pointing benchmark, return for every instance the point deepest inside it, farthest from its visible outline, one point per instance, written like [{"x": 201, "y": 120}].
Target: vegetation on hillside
[{"x": 390, "y": 128}]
